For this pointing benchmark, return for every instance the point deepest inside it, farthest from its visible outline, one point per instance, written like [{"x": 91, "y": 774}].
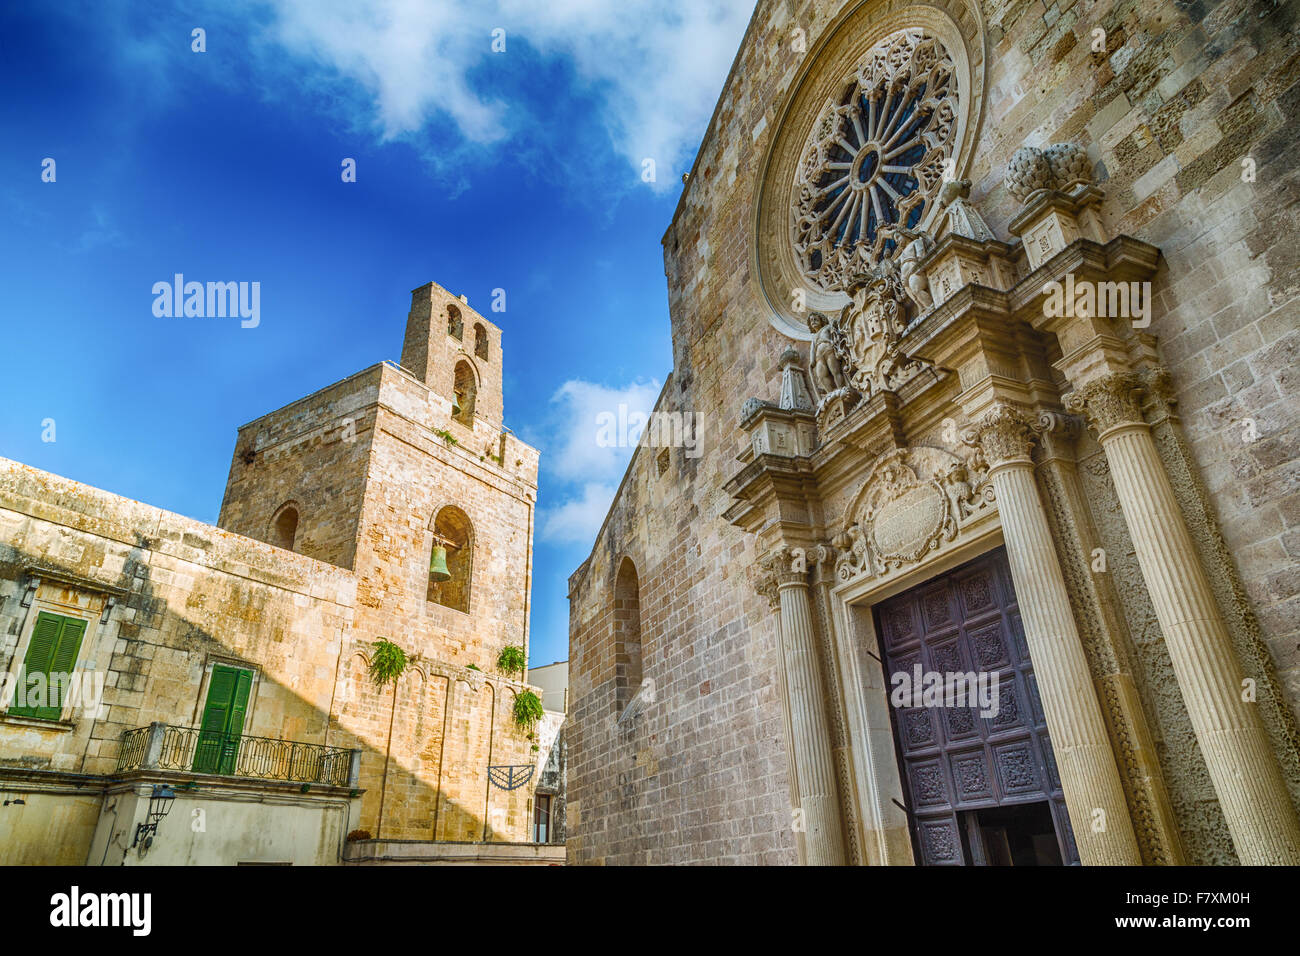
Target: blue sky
[{"x": 520, "y": 170}]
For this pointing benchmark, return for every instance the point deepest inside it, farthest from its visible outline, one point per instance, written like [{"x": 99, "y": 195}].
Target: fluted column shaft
[
  {"x": 1084, "y": 756},
  {"x": 814, "y": 765},
  {"x": 1236, "y": 748}
]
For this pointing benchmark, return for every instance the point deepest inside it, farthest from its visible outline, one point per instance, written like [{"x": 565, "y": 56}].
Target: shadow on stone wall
[{"x": 161, "y": 653}]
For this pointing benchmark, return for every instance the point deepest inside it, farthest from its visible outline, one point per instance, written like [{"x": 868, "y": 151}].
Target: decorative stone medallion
[
  {"x": 907, "y": 524},
  {"x": 914, "y": 499}
]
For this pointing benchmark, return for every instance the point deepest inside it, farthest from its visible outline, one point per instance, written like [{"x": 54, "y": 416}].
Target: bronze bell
[{"x": 438, "y": 565}]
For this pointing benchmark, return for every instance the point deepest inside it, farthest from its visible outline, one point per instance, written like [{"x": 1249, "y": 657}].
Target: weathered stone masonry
[
  {"x": 1183, "y": 111},
  {"x": 367, "y": 465}
]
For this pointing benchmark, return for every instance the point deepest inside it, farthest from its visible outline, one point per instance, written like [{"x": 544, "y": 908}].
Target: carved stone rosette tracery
[{"x": 875, "y": 159}]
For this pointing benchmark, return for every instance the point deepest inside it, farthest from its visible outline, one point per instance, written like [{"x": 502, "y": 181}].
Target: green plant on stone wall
[
  {"x": 445, "y": 435},
  {"x": 387, "y": 663},
  {"x": 527, "y": 710},
  {"x": 511, "y": 660}
]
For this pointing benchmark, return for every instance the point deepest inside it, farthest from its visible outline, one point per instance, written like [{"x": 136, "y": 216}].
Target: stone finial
[
  {"x": 1070, "y": 164},
  {"x": 1027, "y": 173},
  {"x": 961, "y": 217},
  {"x": 795, "y": 393},
  {"x": 1059, "y": 166}
]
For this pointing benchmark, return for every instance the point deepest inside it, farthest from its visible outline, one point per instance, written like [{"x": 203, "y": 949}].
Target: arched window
[
  {"x": 284, "y": 527},
  {"x": 627, "y": 635},
  {"x": 465, "y": 389},
  {"x": 455, "y": 324},
  {"x": 480, "y": 341},
  {"x": 452, "y": 532}
]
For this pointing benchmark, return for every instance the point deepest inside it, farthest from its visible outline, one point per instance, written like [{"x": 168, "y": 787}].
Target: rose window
[{"x": 875, "y": 159}]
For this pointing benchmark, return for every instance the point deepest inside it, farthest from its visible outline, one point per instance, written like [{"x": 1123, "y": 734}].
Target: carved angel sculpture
[
  {"x": 914, "y": 283},
  {"x": 827, "y": 370},
  {"x": 960, "y": 492}
]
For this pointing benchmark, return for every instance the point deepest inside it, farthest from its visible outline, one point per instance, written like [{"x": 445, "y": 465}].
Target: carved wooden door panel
[{"x": 960, "y": 769}]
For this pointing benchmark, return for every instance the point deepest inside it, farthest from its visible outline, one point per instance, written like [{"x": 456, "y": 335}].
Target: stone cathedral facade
[{"x": 989, "y": 312}]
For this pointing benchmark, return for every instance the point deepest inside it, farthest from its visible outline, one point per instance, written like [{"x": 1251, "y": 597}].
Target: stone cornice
[{"x": 764, "y": 483}]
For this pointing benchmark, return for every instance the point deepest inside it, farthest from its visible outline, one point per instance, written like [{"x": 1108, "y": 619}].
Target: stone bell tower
[{"x": 456, "y": 352}]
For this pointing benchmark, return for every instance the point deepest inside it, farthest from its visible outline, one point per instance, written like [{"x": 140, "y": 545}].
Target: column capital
[
  {"x": 1058, "y": 431},
  {"x": 780, "y": 567},
  {"x": 1004, "y": 434},
  {"x": 1159, "y": 387},
  {"x": 1108, "y": 401}
]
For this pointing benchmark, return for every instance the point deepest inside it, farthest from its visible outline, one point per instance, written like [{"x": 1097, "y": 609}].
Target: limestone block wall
[
  {"x": 446, "y": 710},
  {"x": 196, "y": 595},
  {"x": 313, "y": 454},
  {"x": 431, "y": 352},
  {"x": 701, "y": 775},
  {"x": 1177, "y": 97},
  {"x": 1180, "y": 98}
]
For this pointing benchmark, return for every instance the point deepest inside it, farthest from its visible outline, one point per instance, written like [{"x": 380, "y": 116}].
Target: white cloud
[
  {"x": 577, "y": 520},
  {"x": 657, "y": 66},
  {"x": 580, "y": 446},
  {"x": 581, "y": 461},
  {"x": 410, "y": 57}
]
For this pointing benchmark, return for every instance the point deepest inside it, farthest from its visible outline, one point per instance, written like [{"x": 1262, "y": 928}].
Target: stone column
[
  {"x": 1232, "y": 739},
  {"x": 806, "y": 706},
  {"x": 1084, "y": 756}
]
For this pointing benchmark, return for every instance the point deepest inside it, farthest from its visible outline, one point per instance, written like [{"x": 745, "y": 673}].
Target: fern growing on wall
[
  {"x": 387, "y": 663},
  {"x": 527, "y": 710},
  {"x": 511, "y": 660}
]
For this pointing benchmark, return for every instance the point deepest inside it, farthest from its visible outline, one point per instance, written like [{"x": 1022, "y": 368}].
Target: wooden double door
[{"x": 980, "y": 789}]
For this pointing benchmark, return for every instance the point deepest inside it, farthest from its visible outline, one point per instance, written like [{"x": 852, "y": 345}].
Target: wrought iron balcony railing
[{"x": 166, "y": 747}]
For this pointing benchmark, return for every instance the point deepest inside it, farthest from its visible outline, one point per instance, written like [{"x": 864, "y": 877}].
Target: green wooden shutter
[
  {"x": 63, "y": 662},
  {"x": 223, "y": 720},
  {"x": 55, "y": 643},
  {"x": 207, "y": 753},
  {"x": 235, "y": 725}
]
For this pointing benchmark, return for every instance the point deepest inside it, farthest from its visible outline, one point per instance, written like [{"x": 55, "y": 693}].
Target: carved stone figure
[
  {"x": 960, "y": 493},
  {"x": 914, "y": 282},
  {"x": 827, "y": 369}
]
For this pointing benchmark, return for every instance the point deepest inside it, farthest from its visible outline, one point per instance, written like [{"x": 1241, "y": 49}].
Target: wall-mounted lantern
[{"x": 160, "y": 804}]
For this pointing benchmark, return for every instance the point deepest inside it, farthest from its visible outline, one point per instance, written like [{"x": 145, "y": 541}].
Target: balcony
[{"x": 188, "y": 749}]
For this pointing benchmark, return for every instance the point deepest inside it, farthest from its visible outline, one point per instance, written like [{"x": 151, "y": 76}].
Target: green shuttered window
[
  {"x": 56, "y": 640},
  {"x": 223, "y": 720}
]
